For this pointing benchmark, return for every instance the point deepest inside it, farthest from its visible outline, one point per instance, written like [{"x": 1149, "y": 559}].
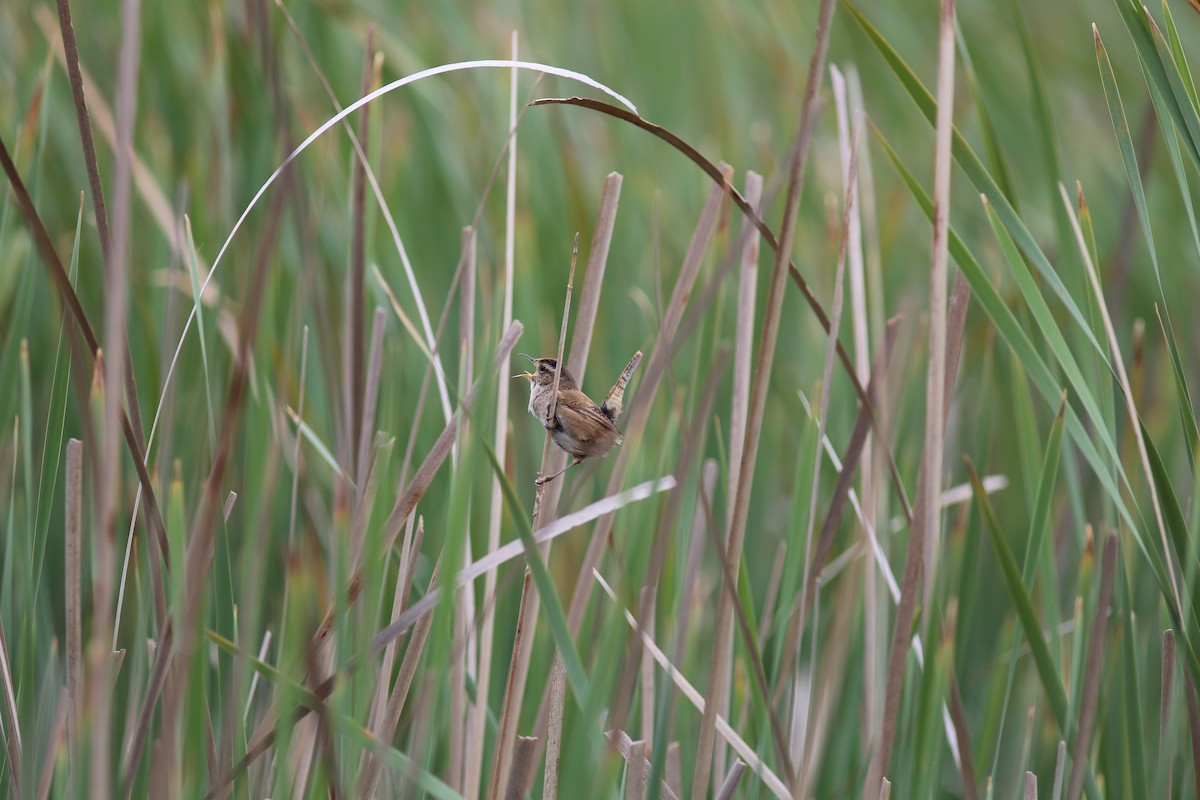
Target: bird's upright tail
[{"x": 616, "y": 395}]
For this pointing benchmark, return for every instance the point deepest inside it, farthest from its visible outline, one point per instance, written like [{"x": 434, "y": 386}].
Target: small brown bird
[{"x": 579, "y": 426}]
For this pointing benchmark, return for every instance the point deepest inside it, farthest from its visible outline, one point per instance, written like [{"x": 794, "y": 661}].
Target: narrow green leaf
[
  {"x": 1185, "y": 72},
  {"x": 319, "y": 446},
  {"x": 1156, "y": 72},
  {"x": 987, "y": 126},
  {"x": 1116, "y": 113},
  {"x": 1184, "y": 101},
  {"x": 1043, "y": 117},
  {"x": 1185, "y": 553},
  {"x": 1053, "y": 687},
  {"x": 1033, "y": 554},
  {"x": 1131, "y": 688},
  {"x": 1120, "y": 124},
  {"x": 52, "y": 445},
  {"x": 1049, "y": 329},
  {"x": 1039, "y": 526}
]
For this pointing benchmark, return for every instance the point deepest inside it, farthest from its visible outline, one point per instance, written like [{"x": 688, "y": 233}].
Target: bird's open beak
[{"x": 527, "y": 375}]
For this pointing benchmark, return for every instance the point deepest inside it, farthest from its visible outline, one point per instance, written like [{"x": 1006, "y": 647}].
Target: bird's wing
[{"x": 579, "y": 415}]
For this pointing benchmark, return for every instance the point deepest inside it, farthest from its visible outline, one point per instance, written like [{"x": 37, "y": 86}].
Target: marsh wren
[{"x": 579, "y": 426}]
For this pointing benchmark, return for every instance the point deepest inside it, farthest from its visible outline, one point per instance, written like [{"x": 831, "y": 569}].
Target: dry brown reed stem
[
  {"x": 936, "y": 393},
  {"x": 464, "y": 613},
  {"x": 73, "y": 584},
  {"x": 743, "y": 337},
  {"x": 1030, "y": 786},
  {"x": 1193, "y": 710},
  {"x": 522, "y": 768},
  {"x": 528, "y": 614},
  {"x": 720, "y": 663},
  {"x": 1060, "y": 763},
  {"x": 634, "y": 753},
  {"x": 730, "y": 784},
  {"x": 1166, "y": 747},
  {"x": 1091, "y": 676},
  {"x": 850, "y": 167},
  {"x": 558, "y": 707},
  {"x": 637, "y": 772},
  {"x": 75, "y": 76},
  {"x": 500, "y": 769},
  {"x": 500, "y": 446},
  {"x": 958, "y": 713},
  {"x": 210, "y": 748},
  {"x": 808, "y": 595},
  {"x": 867, "y": 320},
  {"x": 672, "y": 776},
  {"x": 116, "y": 294},
  {"x": 385, "y": 728},
  {"x": 849, "y": 122},
  {"x": 649, "y": 692},
  {"x": 902, "y": 637},
  {"x": 925, "y": 538}
]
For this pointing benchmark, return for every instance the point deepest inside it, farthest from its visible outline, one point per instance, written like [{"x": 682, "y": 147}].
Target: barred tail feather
[{"x": 616, "y": 395}]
